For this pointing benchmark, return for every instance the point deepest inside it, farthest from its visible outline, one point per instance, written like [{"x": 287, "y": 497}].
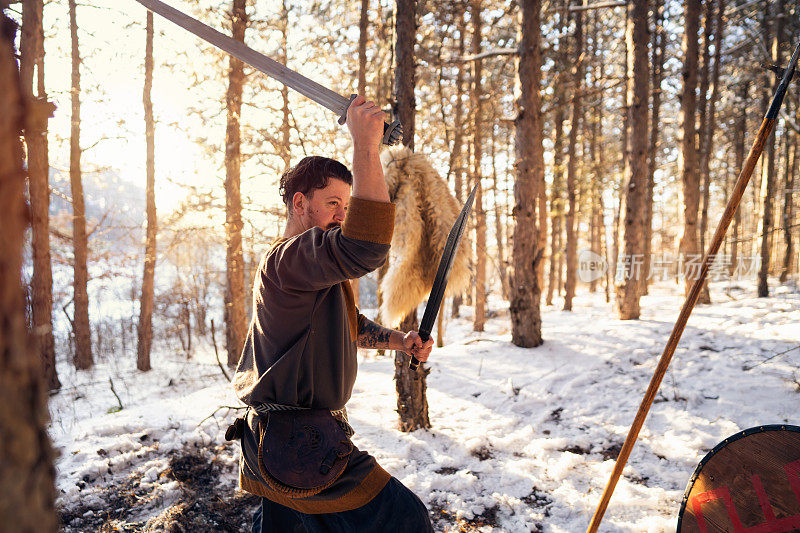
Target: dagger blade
[{"x": 443, "y": 273}]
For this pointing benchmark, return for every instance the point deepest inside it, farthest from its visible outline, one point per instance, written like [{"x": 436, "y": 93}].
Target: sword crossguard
[
  {"x": 392, "y": 133},
  {"x": 343, "y": 117}
]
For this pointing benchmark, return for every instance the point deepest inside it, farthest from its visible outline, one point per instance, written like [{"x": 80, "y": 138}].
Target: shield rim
[{"x": 736, "y": 436}]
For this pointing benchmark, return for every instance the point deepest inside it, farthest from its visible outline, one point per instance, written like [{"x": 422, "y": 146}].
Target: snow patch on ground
[{"x": 522, "y": 439}]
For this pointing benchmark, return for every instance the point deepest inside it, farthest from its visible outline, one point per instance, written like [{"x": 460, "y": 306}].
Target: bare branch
[{"x": 487, "y": 53}]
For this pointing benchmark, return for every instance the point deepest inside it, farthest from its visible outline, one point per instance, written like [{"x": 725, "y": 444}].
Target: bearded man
[{"x": 298, "y": 366}]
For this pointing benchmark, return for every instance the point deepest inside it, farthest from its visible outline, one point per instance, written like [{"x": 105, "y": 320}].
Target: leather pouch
[{"x": 301, "y": 453}]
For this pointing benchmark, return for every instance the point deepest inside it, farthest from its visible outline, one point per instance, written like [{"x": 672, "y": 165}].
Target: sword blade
[
  {"x": 309, "y": 88},
  {"x": 443, "y": 272}
]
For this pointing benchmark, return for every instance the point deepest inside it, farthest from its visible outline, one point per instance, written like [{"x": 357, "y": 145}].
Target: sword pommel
[{"x": 392, "y": 133}]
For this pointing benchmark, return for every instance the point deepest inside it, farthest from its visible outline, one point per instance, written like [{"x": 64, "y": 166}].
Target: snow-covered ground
[{"x": 522, "y": 439}]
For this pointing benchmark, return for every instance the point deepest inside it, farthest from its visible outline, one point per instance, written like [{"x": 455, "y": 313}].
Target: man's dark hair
[{"x": 310, "y": 174}]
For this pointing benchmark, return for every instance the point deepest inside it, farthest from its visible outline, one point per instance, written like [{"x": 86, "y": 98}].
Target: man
[{"x": 299, "y": 359}]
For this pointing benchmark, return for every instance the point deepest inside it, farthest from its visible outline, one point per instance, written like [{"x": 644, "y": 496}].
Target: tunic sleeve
[{"x": 318, "y": 258}]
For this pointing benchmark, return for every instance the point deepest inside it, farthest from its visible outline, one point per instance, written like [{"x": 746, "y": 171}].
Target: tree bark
[
  {"x": 596, "y": 176},
  {"x": 31, "y": 56},
  {"x": 526, "y": 289},
  {"x": 769, "y": 187},
  {"x": 476, "y": 105},
  {"x": 689, "y": 247},
  {"x": 81, "y": 327},
  {"x": 27, "y": 476},
  {"x": 412, "y": 401},
  {"x": 624, "y": 132},
  {"x": 708, "y": 145},
  {"x": 636, "y": 170},
  {"x": 741, "y": 129},
  {"x": 788, "y": 207},
  {"x": 658, "y": 45},
  {"x": 702, "y": 117},
  {"x": 456, "y": 155},
  {"x": 404, "y": 105},
  {"x": 498, "y": 223},
  {"x": 286, "y": 148},
  {"x": 363, "y": 25},
  {"x": 572, "y": 166},
  {"x": 556, "y": 189},
  {"x": 145, "y": 328},
  {"x": 235, "y": 313}
]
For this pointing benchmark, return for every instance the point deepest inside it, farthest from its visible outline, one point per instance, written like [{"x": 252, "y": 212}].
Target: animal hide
[{"x": 425, "y": 210}]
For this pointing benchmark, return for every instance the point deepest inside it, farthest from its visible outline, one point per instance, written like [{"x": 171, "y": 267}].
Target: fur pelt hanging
[{"x": 425, "y": 211}]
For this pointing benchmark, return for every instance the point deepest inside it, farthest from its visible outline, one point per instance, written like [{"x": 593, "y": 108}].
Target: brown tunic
[{"x": 301, "y": 346}]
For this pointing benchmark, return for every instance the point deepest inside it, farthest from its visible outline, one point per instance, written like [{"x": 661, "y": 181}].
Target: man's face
[{"x": 324, "y": 208}]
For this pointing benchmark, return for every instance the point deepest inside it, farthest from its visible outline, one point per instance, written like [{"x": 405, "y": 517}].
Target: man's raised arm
[{"x": 365, "y": 122}]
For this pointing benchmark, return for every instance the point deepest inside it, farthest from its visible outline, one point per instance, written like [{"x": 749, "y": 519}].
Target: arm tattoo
[{"x": 374, "y": 336}]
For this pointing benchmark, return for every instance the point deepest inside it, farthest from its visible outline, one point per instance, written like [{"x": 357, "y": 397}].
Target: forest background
[{"x": 606, "y": 138}]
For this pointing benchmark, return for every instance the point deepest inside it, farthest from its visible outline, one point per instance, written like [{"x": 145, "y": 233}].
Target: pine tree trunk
[
  {"x": 27, "y": 476},
  {"x": 596, "y": 183},
  {"x": 31, "y": 56},
  {"x": 235, "y": 313},
  {"x": 556, "y": 190},
  {"x": 788, "y": 207},
  {"x": 145, "y": 329},
  {"x": 741, "y": 128},
  {"x": 404, "y": 106},
  {"x": 708, "y": 145},
  {"x": 476, "y": 105},
  {"x": 636, "y": 171},
  {"x": 689, "y": 246},
  {"x": 412, "y": 401},
  {"x": 82, "y": 329},
  {"x": 572, "y": 166},
  {"x": 363, "y": 25},
  {"x": 657, "y": 73},
  {"x": 702, "y": 117},
  {"x": 498, "y": 223},
  {"x": 456, "y": 154},
  {"x": 624, "y": 132},
  {"x": 526, "y": 290},
  {"x": 769, "y": 188},
  {"x": 286, "y": 148}
]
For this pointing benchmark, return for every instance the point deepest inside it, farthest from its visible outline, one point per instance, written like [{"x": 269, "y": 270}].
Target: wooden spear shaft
[{"x": 767, "y": 125}]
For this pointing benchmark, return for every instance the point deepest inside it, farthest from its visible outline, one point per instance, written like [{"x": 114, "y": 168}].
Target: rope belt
[{"x": 340, "y": 414}]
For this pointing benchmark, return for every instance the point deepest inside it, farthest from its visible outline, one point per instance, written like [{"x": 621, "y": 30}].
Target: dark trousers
[{"x": 394, "y": 509}]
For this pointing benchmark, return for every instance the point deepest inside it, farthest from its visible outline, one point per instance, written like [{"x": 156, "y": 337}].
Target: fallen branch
[
  {"x": 770, "y": 358},
  {"x": 229, "y": 407},
  {"x": 115, "y": 409},
  {"x": 216, "y": 352}
]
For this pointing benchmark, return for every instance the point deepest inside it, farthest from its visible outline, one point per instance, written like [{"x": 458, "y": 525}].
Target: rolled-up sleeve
[
  {"x": 370, "y": 221},
  {"x": 318, "y": 258}
]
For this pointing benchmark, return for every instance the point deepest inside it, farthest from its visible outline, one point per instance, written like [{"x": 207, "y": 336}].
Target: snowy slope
[{"x": 522, "y": 439}]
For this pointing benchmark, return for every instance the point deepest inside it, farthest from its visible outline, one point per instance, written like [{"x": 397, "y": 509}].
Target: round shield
[{"x": 750, "y": 482}]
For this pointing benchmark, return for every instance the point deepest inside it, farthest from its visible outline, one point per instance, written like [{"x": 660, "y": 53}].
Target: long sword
[
  {"x": 443, "y": 273},
  {"x": 392, "y": 133}
]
